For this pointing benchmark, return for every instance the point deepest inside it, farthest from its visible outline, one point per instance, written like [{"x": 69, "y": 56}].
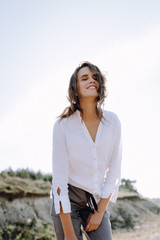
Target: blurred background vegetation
[
  {"x": 26, "y": 173},
  {"x": 126, "y": 184}
]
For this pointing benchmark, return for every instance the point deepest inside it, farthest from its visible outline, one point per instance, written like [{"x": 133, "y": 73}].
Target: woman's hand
[
  {"x": 72, "y": 237},
  {"x": 93, "y": 221}
]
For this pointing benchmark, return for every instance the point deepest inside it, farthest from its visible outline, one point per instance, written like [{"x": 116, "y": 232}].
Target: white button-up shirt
[{"x": 81, "y": 162}]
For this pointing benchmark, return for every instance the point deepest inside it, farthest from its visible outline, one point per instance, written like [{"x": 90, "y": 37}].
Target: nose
[{"x": 92, "y": 80}]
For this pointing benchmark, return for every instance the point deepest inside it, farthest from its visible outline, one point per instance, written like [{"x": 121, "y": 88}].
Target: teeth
[{"x": 92, "y": 87}]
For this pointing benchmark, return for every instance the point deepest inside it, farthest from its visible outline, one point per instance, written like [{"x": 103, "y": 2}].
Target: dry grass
[
  {"x": 127, "y": 194},
  {"x": 13, "y": 187}
]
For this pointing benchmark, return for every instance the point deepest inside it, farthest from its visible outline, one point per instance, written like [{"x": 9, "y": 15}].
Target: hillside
[{"x": 25, "y": 209}]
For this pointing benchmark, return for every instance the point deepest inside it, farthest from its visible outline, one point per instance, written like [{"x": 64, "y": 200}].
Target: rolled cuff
[
  {"x": 65, "y": 202},
  {"x": 110, "y": 190}
]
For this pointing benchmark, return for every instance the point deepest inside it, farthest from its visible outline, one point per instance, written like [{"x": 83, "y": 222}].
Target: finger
[
  {"x": 92, "y": 227},
  {"x": 89, "y": 228}
]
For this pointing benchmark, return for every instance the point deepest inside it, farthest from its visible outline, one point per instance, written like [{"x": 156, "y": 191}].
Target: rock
[
  {"x": 2, "y": 216},
  {"x": 127, "y": 213},
  {"x": 20, "y": 210},
  {"x": 16, "y": 211},
  {"x": 42, "y": 209}
]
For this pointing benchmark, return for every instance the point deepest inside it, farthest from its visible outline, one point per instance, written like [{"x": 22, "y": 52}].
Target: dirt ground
[{"x": 150, "y": 230}]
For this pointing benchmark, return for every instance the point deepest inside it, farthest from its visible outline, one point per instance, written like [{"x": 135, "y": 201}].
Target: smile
[{"x": 92, "y": 86}]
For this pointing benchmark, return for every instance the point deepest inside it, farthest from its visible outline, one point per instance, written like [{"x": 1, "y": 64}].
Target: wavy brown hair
[{"x": 72, "y": 90}]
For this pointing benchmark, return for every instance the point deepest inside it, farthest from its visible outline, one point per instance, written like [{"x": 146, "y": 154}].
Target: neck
[{"x": 89, "y": 110}]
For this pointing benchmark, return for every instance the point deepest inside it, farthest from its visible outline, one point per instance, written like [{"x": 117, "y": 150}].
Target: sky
[{"x": 41, "y": 44}]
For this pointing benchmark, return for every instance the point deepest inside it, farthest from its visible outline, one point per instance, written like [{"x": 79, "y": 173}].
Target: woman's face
[{"x": 87, "y": 84}]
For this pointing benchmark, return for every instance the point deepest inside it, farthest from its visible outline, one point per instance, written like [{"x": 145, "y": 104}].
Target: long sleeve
[
  {"x": 60, "y": 169},
  {"x": 113, "y": 172}
]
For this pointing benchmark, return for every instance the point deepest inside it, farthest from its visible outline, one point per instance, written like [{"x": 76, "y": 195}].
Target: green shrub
[
  {"x": 128, "y": 185},
  {"x": 26, "y": 173},
  {"x": 33, "y": 230}
]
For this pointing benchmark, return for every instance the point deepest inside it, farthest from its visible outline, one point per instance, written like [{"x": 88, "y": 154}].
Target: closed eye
[
  {"x": 95, "y": 77},
  {"x": 84, "y": 77}
]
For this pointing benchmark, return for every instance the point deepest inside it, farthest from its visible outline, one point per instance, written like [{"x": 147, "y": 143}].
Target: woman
[{"x": 86, "y": 159}]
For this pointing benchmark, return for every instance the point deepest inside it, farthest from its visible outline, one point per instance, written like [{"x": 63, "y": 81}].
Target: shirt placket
[
  {"x": 94, "y": 155},
  {"x": 95, "y": 164}
]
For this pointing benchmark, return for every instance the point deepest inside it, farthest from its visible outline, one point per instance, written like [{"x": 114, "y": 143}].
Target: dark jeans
[{"x": 79, "y": 215}]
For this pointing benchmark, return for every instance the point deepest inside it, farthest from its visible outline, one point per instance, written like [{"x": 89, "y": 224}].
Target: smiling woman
[
  {"x": 87, "y": 80},
  {"x": 86, "y": 159},
  {"x": 80, "y": 75}
]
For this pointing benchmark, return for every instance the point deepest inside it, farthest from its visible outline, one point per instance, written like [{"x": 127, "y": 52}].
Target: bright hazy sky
[{"x": 41, "y": 44}]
